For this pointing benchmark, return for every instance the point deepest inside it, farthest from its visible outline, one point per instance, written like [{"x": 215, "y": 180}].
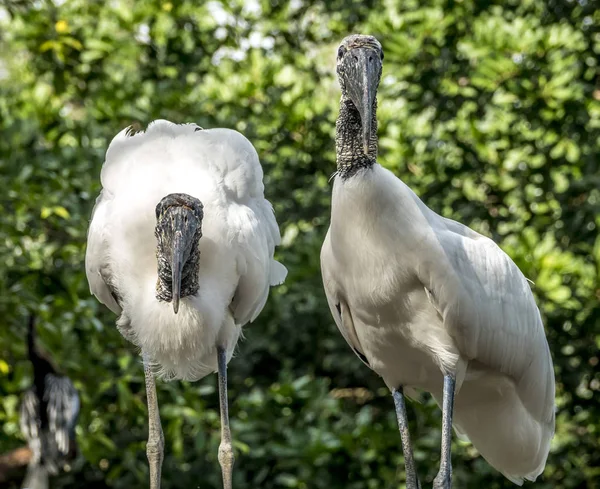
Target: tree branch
[{"x": 13, "y": 463}]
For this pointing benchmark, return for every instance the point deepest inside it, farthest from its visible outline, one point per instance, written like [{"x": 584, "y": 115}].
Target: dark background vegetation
[{"x": 490, "y": 111}]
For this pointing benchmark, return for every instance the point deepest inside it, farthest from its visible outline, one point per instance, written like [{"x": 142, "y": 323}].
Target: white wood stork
[
  {"x": 181, "y": 246},
  {"x": 48, "y": 415},
  {"x": 428, "y": 303}
]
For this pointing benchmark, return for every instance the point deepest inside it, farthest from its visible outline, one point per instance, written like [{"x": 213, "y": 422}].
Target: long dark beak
[
  {"x": 176, "y": 267},
  {"x": 182, "y": 243},
  {"x": 363, "y": 68}
]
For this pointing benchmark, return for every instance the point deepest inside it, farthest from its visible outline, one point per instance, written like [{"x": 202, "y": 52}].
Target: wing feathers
[
  {"x": 258, "y": 270},
  {"x": 96, "y": 256},
  {"x": 490, "y": 312},
  {"x": 337, "y": 305}
]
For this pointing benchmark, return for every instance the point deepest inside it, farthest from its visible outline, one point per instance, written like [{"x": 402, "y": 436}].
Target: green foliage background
[{"x": 490, "y": 111}]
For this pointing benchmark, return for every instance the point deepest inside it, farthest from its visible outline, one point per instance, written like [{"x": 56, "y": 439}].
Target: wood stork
[
  {"x": 428, "y": 303},
  {"x": 181, "y": 246},
  {"x": 48, "y": 415}
]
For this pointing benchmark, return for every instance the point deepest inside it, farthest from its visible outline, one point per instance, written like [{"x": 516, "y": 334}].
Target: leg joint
[
  {"x": 154, "y": 448},
  {"x": 226, "y": 456}
]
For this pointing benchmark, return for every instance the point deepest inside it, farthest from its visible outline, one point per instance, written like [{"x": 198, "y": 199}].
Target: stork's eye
[
  {"x": 381, "y": 55},
  {"x": 341, "y": 51}
]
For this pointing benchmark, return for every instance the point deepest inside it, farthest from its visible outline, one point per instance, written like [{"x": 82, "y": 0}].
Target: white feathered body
[
  {"x": 420, "y": 296},
  {"x": 239, "y": 233}
]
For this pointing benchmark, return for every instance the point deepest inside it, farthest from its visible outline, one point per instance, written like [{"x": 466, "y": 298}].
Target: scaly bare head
[
  {"x": 359, "y": 64},
  {"x": 178, "y": 231}
]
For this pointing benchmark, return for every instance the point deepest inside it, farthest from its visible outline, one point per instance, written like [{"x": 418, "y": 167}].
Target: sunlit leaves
[{"x": 490, "y": 113}]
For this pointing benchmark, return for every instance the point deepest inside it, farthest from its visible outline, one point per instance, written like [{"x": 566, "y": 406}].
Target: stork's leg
[
  {"x": 226, "y": 457},
  {"x": 412, "y": 479},
  {"x": 156, "y": 442},
  {"x": 443, "y": 480}
]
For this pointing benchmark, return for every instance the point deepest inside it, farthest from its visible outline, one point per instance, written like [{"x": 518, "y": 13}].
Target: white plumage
[
  {"x": 239, "y": 234},
  {"x": 216, "y": 170},
  {"x": 430, "y": 304},
  {"x": 422, "y": 296}
]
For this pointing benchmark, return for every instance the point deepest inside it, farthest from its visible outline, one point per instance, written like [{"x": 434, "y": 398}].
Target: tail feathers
[
  {"x": 461, "y": 435},
  {"x": 278, "y": 273},
  {"x": 36, "y": 477},
  {"x": 489, "y": 412}
]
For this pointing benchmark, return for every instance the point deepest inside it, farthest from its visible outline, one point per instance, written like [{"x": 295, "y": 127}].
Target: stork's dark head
[
  {"x": 359, "y": 63},
  {"x": 178, "y": 232}
]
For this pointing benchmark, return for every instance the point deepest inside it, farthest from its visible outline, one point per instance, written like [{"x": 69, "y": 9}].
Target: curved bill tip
[{"x": 175, "y": 303}]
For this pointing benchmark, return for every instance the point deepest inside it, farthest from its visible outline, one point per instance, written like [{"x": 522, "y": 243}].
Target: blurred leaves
[{"x": 490, "y": 111}]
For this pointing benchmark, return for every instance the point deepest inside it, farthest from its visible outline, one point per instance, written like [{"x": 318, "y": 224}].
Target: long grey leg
[
  {"x": 226, "y": 457},
  {"x": 443, "y": 480},
  {"x": 156, "y": 441},
  {"x": 412, "y": 478}
]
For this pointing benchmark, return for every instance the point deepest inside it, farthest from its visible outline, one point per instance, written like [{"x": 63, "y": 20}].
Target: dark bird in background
[{"x": 48, "y": 417}]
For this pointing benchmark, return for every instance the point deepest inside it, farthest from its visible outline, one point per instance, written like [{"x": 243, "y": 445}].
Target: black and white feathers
[{"x": 48, "y": 414}]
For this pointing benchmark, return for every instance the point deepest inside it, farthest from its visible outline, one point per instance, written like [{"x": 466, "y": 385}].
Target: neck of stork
[
  {"x": 178, "y": 231},
  {"x": 350, "y": 153}
]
